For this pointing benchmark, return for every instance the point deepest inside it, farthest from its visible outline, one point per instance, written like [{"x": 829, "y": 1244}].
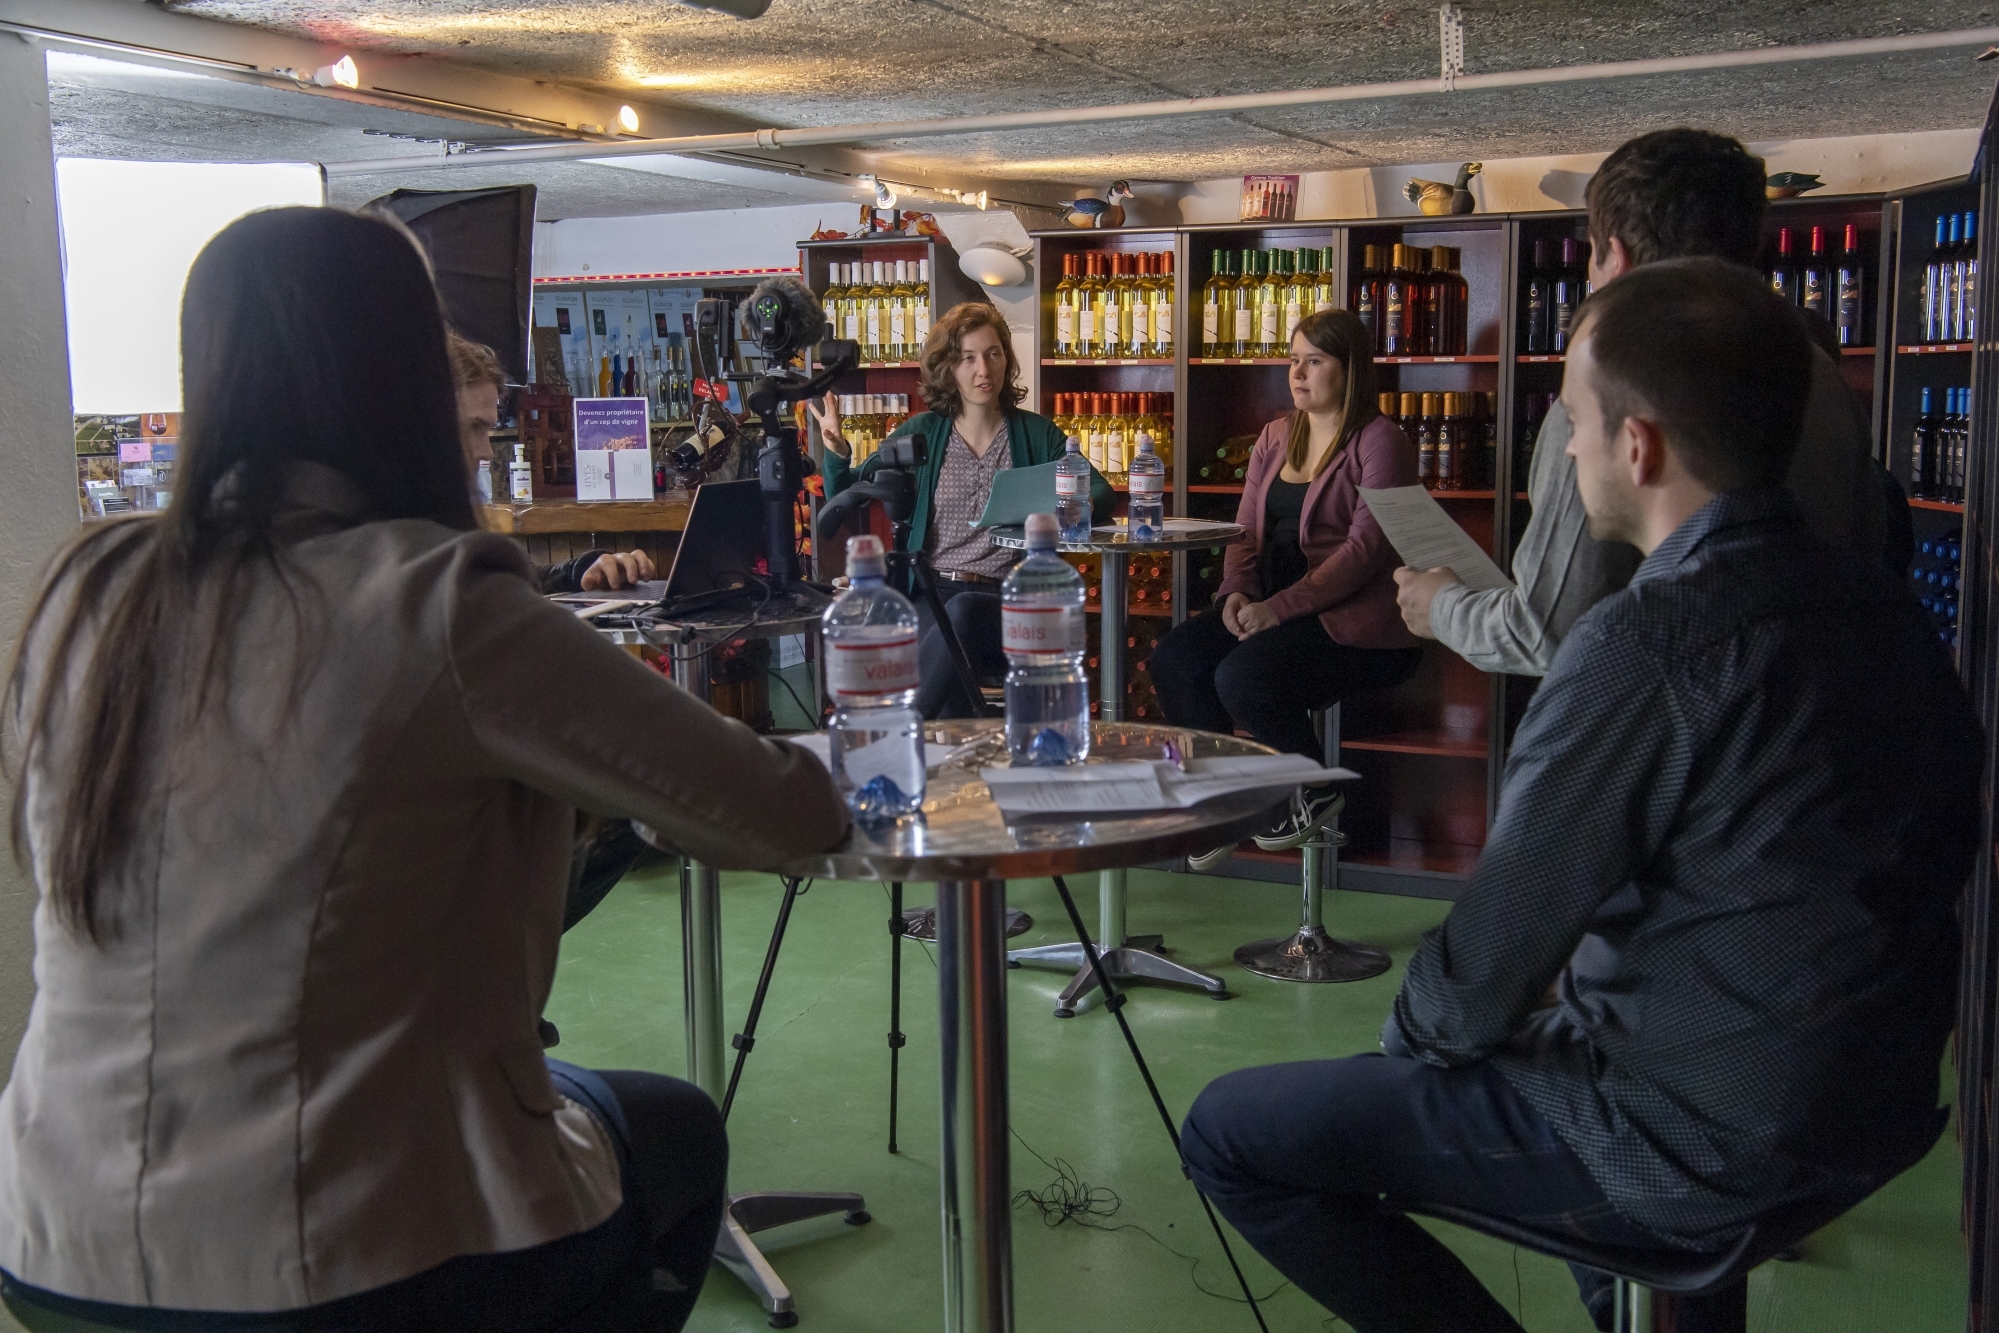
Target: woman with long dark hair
[
  {"x": 296, "y": 770},
  {"x": 1305, "y": 614}
]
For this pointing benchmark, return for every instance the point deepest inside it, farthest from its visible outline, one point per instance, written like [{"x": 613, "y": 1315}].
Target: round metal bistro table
[
  {"x": 689, "y": 642},
  {"x": 964, "y": 844},
  {"x": 1127, "y": 958}
]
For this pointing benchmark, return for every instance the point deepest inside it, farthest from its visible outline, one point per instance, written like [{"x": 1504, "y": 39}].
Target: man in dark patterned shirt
[{"x": 1734, "y": 830}]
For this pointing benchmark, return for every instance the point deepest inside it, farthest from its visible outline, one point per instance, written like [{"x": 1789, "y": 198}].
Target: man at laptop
[
  {"x": 975, "y": 429},
  {"x": 476, "y": 373}
]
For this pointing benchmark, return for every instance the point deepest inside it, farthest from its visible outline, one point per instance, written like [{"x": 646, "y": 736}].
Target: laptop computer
[{"x": 719, "y": 549}]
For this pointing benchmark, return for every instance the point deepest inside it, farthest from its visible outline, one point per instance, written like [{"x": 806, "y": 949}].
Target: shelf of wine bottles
[
  {"x": 1107, "y": 426},
  {"x": 1936, "y": 576},
  {"x": 1254, "y": 298},
  {"x": 866, "y": 419},
  {"x": 882, "y": 304},
  {"x": 1414, "y": 299},
  {"x": 1950, "y": 283},
  {"x": 1113, "y": 308},
  {"x": 1455, "y": 435}
]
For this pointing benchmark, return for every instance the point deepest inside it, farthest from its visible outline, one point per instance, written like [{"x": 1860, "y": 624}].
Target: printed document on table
[
  {"x": 1146, "y": 785},
  {"x": 1427, "y": 538}
]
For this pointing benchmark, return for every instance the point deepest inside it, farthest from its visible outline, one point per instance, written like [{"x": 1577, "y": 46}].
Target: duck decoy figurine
[
  {"x": 1790, "y": 184},
  {"x": 1105, "y": 212},
  {"x": 1436, "y": 198}
]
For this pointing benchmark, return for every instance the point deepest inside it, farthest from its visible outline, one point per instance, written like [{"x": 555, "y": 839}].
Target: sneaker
[
  {"x": 1209, "y": 860},
  {"x": 1311, "y": 810}
]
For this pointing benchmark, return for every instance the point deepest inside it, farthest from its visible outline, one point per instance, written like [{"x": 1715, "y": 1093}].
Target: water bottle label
[
  {"x": 1042, "y": 629},
  {"x": 1068, "y": 483},
  {"x": 867, "y": 670},
  {"x": 1144, "y": 484}
]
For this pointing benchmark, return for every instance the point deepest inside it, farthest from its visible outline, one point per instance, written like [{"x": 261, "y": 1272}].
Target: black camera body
[{"x": 786, "y": 319}]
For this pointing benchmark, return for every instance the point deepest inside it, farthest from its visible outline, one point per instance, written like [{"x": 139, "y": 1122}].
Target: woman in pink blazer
[{"x": 1306, "y": 612}]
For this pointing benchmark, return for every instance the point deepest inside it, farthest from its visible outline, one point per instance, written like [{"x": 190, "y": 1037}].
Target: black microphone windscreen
[{"x": 788, "y": 317}]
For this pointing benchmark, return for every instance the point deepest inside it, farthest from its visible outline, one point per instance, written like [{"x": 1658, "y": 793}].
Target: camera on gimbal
[{"x": 786, "y": 320}]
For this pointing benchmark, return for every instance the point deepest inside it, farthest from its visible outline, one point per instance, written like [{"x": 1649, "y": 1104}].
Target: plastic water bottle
[
  {"x": 871, "y": 673},
  {"x": 1041, "y": 627},
  {"x": 1072, "y": 493},
  {"x": 1146, "y": 519}
]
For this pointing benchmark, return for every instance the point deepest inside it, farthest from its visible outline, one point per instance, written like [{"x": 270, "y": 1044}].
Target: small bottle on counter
[
  {"x": 520, "y": 477},
  {"x": 486, "y": 480}
]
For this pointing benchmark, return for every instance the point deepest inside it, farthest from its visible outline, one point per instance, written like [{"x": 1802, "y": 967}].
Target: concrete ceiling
[
  {"x": 814, "y": 62},
  {"x": 105, "y": 108}
]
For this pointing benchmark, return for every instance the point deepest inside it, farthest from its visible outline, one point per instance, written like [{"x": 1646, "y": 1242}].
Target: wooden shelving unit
[{"x": 1432, "y": 751}]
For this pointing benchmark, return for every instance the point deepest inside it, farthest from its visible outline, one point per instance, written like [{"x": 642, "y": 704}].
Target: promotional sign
[{"x": 613, "y": 453}]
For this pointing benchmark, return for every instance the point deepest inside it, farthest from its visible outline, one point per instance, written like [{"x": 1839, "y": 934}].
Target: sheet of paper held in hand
[
  {"x": 1133, "y": 787},
  {"x": 1426, "y": 537}
]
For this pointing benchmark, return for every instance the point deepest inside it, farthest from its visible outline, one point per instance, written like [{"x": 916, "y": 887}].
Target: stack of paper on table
[{"x": 1147, "y": 785}]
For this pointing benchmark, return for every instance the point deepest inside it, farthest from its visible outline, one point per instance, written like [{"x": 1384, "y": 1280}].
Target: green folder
[{"x": 1018, "y": 492}]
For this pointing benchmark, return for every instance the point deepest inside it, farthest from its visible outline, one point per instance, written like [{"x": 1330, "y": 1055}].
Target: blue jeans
[
  {"x": 1300, "y": 1156},
  {"x": 641, "y": 1269}
]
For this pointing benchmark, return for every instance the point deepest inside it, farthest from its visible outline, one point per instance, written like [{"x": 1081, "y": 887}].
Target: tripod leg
[
  {"x": 895, "y": 1037},
  {"x": 746, "y": 1040},
  {"x": 968, "y": 677}
]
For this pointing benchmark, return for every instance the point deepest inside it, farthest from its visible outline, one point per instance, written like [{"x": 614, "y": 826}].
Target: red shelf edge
[
  {"x": 1418, "y": 742},
  {"x": 1109, "y": 361},
  {"x": 1920, "y": 349},
  {"x": 1941, "y": 506}
]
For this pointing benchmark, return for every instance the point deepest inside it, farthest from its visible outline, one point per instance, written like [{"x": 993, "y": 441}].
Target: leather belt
[{"x": 958, "y": 576}]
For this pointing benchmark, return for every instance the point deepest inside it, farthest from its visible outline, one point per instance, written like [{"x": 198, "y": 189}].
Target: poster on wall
[
  {"x": 613, "y": 453},
  {"x": 564, "y": 312}
]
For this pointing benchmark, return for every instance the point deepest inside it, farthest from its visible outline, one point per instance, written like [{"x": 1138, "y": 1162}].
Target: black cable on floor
[
  {"x": 803, "y": 711},
  {"x": 1070, "y": 1198},
  {"x": 1114, "y": 1002}
]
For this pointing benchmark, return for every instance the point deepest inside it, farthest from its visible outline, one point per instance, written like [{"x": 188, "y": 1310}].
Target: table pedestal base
[
  {"x": 1138, "y": 959},
  {"x": 1312, "y": 955},
  {"x": 750, "y": 1213},
  {"x": 920, "y": 923}
]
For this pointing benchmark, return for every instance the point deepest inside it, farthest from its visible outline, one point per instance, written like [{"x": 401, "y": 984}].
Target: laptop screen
[{"x": 723, "y": 541}]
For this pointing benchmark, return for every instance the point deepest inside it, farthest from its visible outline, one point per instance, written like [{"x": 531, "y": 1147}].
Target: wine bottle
[
  {"x": 1540, "y": 304},
  {"x": 1365, "y": 300},
  {"x": 1065, "y": 310},
  {"x": 1162, "y": 304},
  {"x": 1934, "y": 272},
  {"x": 1968, "y": 281},
  {"x": 1243, "y": 339},
  {"x": 1217, "y": 306},
  {"x": 1849, "y": 284},
  {"x": 1784, "y": 272},
  {"x": 1566, "y": 293},
  {"x": 1401, "y": 297},
  {"x": 1815, "y": 289}
]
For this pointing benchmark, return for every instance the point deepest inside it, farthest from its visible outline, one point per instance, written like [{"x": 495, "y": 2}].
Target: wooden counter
[{"x": 549, "y": 517}]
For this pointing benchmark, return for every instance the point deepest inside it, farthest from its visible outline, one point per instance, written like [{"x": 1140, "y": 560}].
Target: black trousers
[
  {"x": 1269, "y": 683},
  {"x": 974, "y": 609},
  {"x": 1300, "y": 1158},
  {"x": 639, "y": 1271}
]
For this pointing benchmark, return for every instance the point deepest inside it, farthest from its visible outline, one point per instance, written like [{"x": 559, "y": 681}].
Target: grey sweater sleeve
[{"x": 1559, "y": 572}]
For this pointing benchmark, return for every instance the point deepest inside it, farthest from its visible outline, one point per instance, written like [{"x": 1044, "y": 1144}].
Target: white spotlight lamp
[
  {"x": 340, "y": 74},
  {"x": 885, "y": 197},
  {"x": 991, "y": 264},
  {"x": 628, "y": 120}
]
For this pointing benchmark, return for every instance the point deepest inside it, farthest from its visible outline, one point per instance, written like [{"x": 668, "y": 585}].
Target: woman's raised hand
[{"x": 828, "y": 424}]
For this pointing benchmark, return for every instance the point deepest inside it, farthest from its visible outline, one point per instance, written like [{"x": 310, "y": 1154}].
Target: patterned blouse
[{"x": 963, "y": 484}]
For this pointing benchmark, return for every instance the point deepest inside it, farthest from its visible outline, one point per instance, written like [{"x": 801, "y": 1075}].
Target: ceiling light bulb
[
  {"x": 341, "y": 72},
  {"x": 884, "y": 197},
  {"x": 628, "y": 120}
]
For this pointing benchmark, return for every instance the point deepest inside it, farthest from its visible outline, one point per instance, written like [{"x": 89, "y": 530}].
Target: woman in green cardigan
[{"x": 974, "y": 430}]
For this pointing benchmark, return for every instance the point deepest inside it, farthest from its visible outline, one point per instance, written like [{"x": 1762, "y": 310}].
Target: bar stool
[
  {"x": 1311, "y": 954},
  {"x": 1647, "y": 1284}
]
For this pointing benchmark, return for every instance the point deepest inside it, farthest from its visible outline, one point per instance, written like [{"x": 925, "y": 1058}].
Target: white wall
[
  {"x": 1862, "y": 164},
  {"x": 735, "y": 238}
]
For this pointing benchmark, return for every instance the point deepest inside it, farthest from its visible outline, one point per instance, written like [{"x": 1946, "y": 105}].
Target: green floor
[{"x": 812, "y": 1114}]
